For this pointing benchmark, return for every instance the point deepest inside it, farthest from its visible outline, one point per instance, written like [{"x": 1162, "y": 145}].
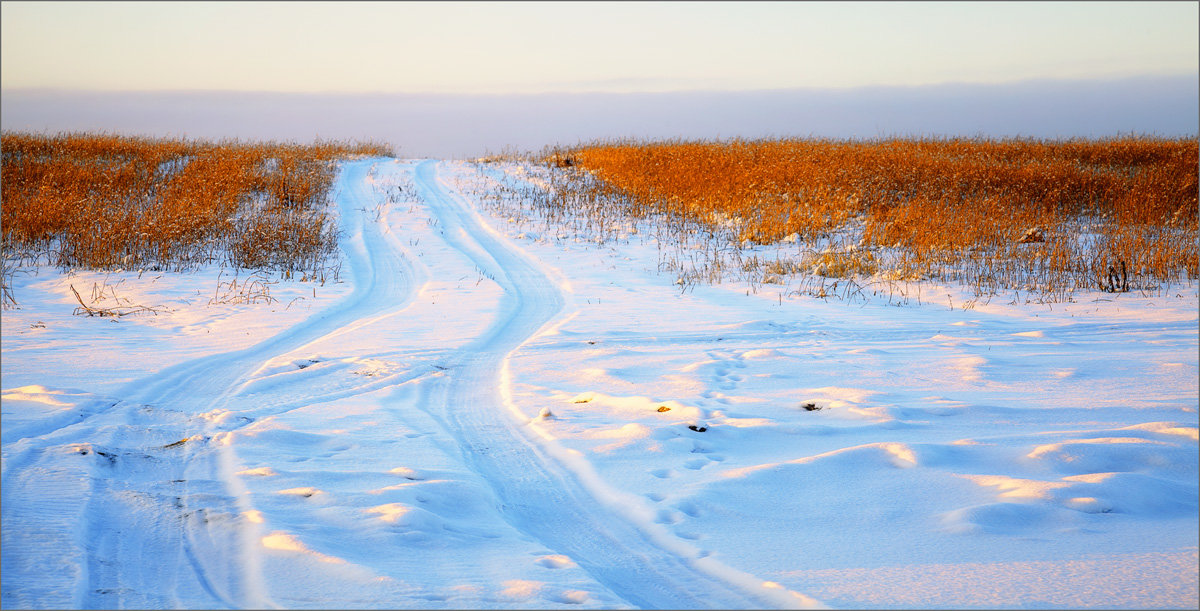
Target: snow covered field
[{"x": 481, "y": 416}]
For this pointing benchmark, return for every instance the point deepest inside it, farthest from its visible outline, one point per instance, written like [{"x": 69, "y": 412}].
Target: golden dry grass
[
  {"x": 920, "y": 208},
  {"x": 101, "y": 201}
]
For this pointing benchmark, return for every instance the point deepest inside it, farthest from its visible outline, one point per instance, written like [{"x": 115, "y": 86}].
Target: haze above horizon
[{"x": 625, "y": 47}]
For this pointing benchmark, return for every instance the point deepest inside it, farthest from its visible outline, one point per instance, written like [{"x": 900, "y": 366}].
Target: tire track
[
  {"x": 157, "y": 483},
  {"x": 384, "y": 282},
  {"x": 538, "y": 496},
  {"x": 157, "y": 469}
]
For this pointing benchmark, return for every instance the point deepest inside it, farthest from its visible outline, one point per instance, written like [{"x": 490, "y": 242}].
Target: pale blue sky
[{"x": 513, "y": 47}]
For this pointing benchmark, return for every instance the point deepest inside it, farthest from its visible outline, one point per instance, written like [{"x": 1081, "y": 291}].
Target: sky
[
  {"x": 530, "y": 47},
  {"x": 235, "y": 69}
]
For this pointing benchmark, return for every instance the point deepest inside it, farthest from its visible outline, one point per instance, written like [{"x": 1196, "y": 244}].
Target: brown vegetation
[
  {"x": 1036, "y": 215},
  {"x": 103, "y": 201}
]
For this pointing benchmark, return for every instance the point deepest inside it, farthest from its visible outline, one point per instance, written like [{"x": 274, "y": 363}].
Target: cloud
[{"x": 428, "y": 125}]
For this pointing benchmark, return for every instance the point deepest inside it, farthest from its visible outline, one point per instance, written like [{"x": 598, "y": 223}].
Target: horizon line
[{"x": 604, "y": 92}]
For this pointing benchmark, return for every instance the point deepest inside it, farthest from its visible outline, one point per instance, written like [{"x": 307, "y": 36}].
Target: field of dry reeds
[
  {"x": 104, "y": 201},
  {"x": 1046, "y": 217}
]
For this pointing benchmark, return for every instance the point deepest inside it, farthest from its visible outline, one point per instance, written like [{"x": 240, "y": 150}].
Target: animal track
[
  {"x": 725, "y": 379},
  {"x": 666, "y": 516}
]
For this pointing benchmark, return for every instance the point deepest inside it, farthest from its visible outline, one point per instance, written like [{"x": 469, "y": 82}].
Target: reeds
[
  {"x": 911, "y": 209},
  {"x": 101, "y": 201}
]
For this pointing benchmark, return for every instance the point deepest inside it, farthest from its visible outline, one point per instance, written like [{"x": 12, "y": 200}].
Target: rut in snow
[
  {"x": 538, "y": 496},
  {"x": 157, "y": 476},
  {"x": 150, "y": 479}
]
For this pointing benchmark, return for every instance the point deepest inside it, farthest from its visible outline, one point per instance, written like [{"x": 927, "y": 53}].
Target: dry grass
[
  {"x": 100, "y": 201},
  {"x": 910, "y": 209}
]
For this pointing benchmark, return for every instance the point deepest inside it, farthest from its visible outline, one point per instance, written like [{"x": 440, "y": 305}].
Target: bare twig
[{"x": 113, "y": 311}]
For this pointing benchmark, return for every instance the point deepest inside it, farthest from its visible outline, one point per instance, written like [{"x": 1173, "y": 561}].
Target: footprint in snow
[
  {"x": 556, "y": 561},
  {"x": 689, "y": 509},
  {"x": 666, "y": 516}
]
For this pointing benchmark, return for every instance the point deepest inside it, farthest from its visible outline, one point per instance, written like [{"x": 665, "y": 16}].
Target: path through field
[
  {"x": 498, "y": 412},
  {"x": 157, "y": 509}
]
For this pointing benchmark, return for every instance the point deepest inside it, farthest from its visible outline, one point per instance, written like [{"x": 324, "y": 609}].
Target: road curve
[
  {"x": 537, "y": 495},
  {"x": 151, "y": 477}
]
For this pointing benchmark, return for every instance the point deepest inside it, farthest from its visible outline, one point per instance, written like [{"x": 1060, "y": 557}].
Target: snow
[{"x": 485, "y": 412}]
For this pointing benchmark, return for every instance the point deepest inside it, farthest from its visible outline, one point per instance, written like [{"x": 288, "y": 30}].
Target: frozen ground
[{"x": 484, "y": 416}]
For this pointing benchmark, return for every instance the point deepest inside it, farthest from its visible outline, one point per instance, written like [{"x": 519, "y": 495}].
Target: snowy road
[
  {"x": 165, "y": 520},
  {"x": 495, "y": 414},
  {"x": 157, "y": 461},
  {"x": 538, "y": 496}
]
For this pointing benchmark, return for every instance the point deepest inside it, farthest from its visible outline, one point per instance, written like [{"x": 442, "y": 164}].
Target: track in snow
[
  {"x": 159, "y": 524},
  {"x": 538, "y": 496},
  {"x": 162, "y": 523}
]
